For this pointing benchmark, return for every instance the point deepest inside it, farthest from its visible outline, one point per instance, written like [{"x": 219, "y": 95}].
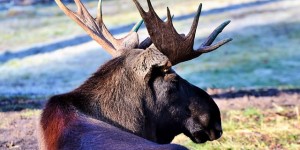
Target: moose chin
[{"x": 135, "y": 100}]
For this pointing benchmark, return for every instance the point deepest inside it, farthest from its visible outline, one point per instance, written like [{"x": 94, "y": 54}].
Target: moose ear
[{"x": 147, "y": 60}]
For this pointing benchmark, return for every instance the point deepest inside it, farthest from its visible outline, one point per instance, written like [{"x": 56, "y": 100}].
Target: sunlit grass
[
  {"x": 25, "y": 114},
  {"x": 263, "y": 54},
  {"x": 256, "y": 59},
  {"x": 40, "y": 23},
  {"x": 254, "y": 129},
  {"x": 30, "y": 113}
]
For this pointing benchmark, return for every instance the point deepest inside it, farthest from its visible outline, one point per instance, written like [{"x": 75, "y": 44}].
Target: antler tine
[
  {"x": 105, "y": 31},
  {"x": 150, "y": 5},
  {"x": 206, "y": 49},
  {"x": 191, "y": 35},
  {"x": 98, "y": 31},
  {"x": 139, "y": 7},
  {"x": 206, "y": 46},
  {"x": 177, "y": 47},
  {"x": 163, "y": 34},
  {"x": 99, "y": 11},
  {"x": 137, "y": 26},
  {"x": 170, "y": 18},
  {"x": 215, "y": 33}
]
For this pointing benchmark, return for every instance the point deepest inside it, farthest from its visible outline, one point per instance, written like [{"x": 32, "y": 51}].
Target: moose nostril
[
  {"x": 218, "y": 130},
  {"x": 221, "y": 132},
  {"x": 218, "y": 134},
  {"x": 215, "y": 134}
]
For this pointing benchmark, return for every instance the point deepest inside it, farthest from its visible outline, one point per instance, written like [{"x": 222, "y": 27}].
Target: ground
[{"x": 255, "y": 119}]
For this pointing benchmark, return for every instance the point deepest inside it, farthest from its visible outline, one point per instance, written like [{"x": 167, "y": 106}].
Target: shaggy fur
[{"x": 131, "y": 102}]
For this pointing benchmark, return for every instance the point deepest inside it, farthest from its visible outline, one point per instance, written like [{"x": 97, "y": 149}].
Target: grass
[
  {"x": 263, "y": 54},
  {"x": 254, "y": 60},
  {"x": 40, "y": 23},
  {"x": 254, "y": 129},
  {"x": 30, "y": 113}
]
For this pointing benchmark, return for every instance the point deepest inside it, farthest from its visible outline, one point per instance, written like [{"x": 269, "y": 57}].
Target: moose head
[{"x": 138, "y": 91}]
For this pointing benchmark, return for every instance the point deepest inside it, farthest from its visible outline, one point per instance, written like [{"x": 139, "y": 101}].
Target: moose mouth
[{"x": 199, "y": 137}]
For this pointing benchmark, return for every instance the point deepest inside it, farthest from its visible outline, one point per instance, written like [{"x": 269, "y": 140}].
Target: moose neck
[{"x": 114, "y": 96}]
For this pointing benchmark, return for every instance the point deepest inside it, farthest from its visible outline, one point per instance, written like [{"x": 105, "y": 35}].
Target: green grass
[
  {"x": 254, "y": 129},
  {"x": 30, "y": 113},
  {"x": 41, "y": 23},
  {"x": 262, "y": 55},
  {"x": 266, "y": 58}
]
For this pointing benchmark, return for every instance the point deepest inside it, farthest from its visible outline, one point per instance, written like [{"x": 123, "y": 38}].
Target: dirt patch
[
  {"x": 261, "y": 98},
  {"x": 18, "y": 128}
]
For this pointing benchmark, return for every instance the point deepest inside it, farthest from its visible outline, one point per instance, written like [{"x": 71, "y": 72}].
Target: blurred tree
[
  {"x": 32, "y": 2},
  {"x": 25, "y": 2}
]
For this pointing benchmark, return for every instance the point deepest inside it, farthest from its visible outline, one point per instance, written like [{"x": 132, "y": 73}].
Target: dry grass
[
  {"x": 277, "y": 128},
  {"x": 251, "y": 128}
]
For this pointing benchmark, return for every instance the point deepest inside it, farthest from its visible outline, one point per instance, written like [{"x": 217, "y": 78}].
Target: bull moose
[{"x": 135, "y": 100}]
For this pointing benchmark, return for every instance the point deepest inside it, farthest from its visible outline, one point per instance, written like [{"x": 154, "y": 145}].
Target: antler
[
  {"x": 98, "y": 31},
  {"x": 177, "y": 47}
]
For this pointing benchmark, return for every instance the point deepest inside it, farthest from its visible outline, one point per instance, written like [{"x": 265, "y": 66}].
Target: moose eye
[
  {"x": 166, "y": 70},
  {"x": 167, "y": 67}
]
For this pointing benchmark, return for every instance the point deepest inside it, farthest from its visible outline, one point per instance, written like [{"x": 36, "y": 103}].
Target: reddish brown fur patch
[{"x": 54, "y": 121}]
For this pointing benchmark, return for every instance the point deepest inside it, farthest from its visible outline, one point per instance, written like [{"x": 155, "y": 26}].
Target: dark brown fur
[{"x": 118, "y": 105}]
